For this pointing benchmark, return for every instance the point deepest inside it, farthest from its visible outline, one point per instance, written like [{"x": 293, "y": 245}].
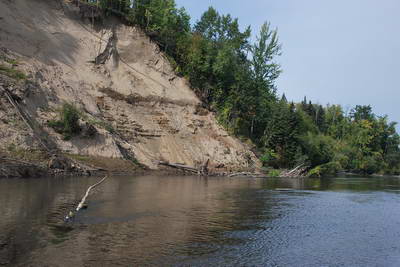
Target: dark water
[{"x": 192, "y": 221}]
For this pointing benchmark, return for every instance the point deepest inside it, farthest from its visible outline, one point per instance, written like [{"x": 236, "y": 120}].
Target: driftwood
[
  {"x": 109, "y": 51},
  {"x": 244, "y": 174},
  {"x": 179, "y": 166},
  {"x": 148, "y": 135},
  {"x": 82, "y": 203},
  {"x": 296, "y": 172},
  {"x": 50, "y": 149},
  {"x": 24, "y": 119},
  {"x": 203, "y": 170}
]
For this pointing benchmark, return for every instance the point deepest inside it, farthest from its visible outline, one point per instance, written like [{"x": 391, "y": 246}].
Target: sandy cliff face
[{"x": 139, "y": 107}]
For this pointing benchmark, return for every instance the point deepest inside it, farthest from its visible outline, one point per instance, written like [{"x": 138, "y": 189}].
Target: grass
[
  {"x": 273, "y": 173},
  {"x": 12, "y": 73},
  {"x": 9, "y": 60},
  {"x": 15, "y": 152}
]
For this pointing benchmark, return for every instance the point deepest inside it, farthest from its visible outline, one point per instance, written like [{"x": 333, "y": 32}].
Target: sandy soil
[{"x": 137, "y": 104}]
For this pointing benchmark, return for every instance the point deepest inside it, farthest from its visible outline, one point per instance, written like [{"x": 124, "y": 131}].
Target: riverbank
[
  {"x": 31, "y": 165},
  {"x": 129, "y": 109},
  {"x": 25, "y": 166}
]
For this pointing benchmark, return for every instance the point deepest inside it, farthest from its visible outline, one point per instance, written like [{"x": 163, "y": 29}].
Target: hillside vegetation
[
  {"x": 82, "y": 90},
  {"x": 236, "y": 78}
]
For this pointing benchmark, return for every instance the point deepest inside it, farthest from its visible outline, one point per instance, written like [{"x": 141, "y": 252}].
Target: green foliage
[
  {"x": 10, "y": 60},
  {"x": 236, "y": 79},
  {"x": 68, "y": 125},
  {"x": 318, "y": 147},
  {"x": 362, "y": 113},
  {"x": 12, "y": 73},
  {"x": 30, "y": 154},
  {"x": 268, "y": 157},
  {"x": 273, "y": 173},
  {"x": 281, "y": 133},
  {"x": 330, "y": 168}
]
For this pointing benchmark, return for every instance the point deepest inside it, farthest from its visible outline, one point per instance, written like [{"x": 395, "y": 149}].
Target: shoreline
[{"x": 19, "y": 169}]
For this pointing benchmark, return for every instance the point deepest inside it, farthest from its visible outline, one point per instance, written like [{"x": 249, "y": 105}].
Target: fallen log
[
  {"x": 82, "y": 203},
  {"x": 179, "y": 166},
  {"x": 148, "y": 135},
  {"x": 295, "y": 169},
  {"x": 244, "y": 174},
  {"x": 296, "y": 172},
  {"x": 204, "y": 171},
  {"x": 24, "y": 119}
]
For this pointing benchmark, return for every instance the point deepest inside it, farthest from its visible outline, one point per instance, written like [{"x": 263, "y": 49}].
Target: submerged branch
[{"x": 81, "y": 204}]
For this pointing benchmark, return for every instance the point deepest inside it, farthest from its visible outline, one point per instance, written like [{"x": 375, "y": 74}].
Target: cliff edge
[{"x": 132, "y": 106}]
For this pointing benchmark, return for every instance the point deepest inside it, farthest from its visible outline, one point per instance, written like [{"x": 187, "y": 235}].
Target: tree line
[{"x": 235, "y": 78}]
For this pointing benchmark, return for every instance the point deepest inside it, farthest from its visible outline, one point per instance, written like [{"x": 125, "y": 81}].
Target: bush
[
  {"x": 68, "y": 125},
  {"x": 274, "y": 173},
  {"x": 319, "y": 148},
  {"x": 330, "y": 168},
  {"x": 268, "y": 156},
  {"x": 369, "y": 164}
]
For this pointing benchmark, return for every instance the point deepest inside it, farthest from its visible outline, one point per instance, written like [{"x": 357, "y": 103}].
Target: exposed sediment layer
[{"x": 140, "y": 109}]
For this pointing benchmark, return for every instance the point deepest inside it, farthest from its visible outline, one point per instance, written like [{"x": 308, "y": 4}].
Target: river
[{"x": 194, "y": 221}]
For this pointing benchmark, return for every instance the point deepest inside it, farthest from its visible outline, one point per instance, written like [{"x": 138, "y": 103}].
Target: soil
[{"x": 138, "y": 110}]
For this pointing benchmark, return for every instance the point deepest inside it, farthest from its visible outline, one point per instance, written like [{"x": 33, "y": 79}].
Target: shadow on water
[{"x": 32, "y": 214}]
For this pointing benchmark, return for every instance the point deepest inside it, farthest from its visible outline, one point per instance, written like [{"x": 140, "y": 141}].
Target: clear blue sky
[{"x": 338, "y": 51}]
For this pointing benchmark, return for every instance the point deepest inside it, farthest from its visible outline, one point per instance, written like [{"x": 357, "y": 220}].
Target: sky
[{"x": 333, "y": 51}]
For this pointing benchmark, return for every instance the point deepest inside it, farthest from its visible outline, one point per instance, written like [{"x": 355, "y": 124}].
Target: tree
[
  {"x": 237, "y": 80},
  {"x": 264, "y": 51},
  {"x": 362, "y": 113}
]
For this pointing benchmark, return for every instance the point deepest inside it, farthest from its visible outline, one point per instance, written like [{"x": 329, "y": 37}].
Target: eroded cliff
[{"x": 122, "y": 84}]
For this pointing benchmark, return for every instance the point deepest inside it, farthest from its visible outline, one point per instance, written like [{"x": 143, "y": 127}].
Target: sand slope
[{"x": 153, "y": 114}]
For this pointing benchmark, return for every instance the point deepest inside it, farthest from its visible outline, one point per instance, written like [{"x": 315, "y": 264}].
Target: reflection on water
[{"x": 193, "y": 221}]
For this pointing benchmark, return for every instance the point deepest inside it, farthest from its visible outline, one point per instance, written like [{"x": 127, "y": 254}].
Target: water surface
[{"x": 193, "y": 221}]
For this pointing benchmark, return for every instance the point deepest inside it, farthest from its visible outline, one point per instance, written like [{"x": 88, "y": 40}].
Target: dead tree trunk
[
  {"x": 203, "y": 170},
  {"x": 81, "y": 204},
  {"x": 179, "y": 167}
]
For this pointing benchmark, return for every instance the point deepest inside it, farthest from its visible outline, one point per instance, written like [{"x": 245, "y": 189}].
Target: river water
[{"x": 193, "y": 221}]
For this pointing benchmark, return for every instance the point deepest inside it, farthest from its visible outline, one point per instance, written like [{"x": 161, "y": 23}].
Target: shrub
[
  {"x": 274, "y": 173},
  {"x": 369, "y": 164},
  {"x": 330, "y": 168},
  {"x": 68, "y": 125},
  {"x": 319, "y": 148},
  {"x": 268, "y": 156}
]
